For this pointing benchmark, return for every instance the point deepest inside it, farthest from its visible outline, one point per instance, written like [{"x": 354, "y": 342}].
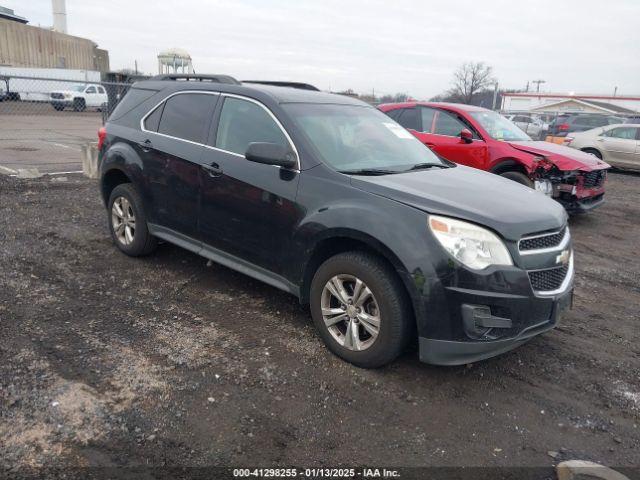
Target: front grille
[
  {"x": 548, "y": 280},
  {"x": 57, "y": 95},
  {"x": 594, "y": 179},
  {"x": 542, "y": 241}
]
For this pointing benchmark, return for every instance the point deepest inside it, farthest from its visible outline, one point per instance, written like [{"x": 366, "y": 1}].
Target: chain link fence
[{"x": 45, "y": 122}]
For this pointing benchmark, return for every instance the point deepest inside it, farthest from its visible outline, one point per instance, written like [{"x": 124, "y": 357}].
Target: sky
[{"x": 381, "y": 46}]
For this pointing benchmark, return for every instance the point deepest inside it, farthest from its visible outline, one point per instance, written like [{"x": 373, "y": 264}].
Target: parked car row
[
  {"x": 484, "y": 139},
  {"x": 567, "y": 123},
  {"x": 328, "y": 198}
]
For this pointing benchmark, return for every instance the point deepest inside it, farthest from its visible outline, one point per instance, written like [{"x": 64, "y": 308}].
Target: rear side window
[
  {"x": 152, "y": 122},
  {"x": 408, "y": 118},
  {"x": 626, "y": 133},
  {"x": 243, "y": 122},
  {"x": 186, "y": 116}
]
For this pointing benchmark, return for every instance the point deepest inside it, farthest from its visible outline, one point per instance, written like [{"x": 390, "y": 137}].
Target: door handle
[
  {"x": 213, "y": 169},
  {"x": 146, "y": 146},
  {"x": 429, "y": 144}
]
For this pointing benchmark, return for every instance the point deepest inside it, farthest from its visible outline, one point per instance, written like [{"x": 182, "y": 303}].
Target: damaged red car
[{"x": 484, "y": 139}]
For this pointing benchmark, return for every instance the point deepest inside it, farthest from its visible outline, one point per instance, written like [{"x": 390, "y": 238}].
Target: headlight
[
  {"x": 67, "y": 95},
  {"x": 471, "y": 245}
]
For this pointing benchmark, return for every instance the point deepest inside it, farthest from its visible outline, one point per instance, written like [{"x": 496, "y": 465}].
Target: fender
[{"x": 123, "y": 157}]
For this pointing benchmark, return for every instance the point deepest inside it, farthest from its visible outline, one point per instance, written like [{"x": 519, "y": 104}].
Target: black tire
[
  {"x": 143, "y": 242},
  {"x": 521, "y": 178},
  {"x": 59, "y": 108},
  {"x": 593, "y": 151},
  {"x": 79, "y": 105},
  {"x": 395, "y": 312}
]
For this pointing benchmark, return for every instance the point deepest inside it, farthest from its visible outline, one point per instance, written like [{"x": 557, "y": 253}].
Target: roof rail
[
  {"x": 302, "y": 86},
  {"x": 197, "y": 78}
]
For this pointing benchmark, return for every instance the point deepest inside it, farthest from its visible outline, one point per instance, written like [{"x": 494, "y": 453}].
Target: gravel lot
[{"x": 112, "y": 361}]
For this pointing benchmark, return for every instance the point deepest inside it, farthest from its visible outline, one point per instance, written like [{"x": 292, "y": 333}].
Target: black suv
[
  {"x": 580, "y": 122},
  {"x": 327, "y": 198}
]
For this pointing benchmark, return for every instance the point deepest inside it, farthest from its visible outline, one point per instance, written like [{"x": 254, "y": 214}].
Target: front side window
[
  {"x": 91, "y": 90},
  {"x": 408, "y": 118},
  {"x": 448, "y": 124},
  {"x": 499, "y": 127},
  {"x": 351, "y": 138},
  {"x": 243, "y": 122},
  {"x": 625, "y": 133},
  {"x": 186, "y": 116}
]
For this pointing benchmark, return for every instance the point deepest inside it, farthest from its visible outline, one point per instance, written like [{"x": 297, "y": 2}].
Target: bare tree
[{"x": 469, "y": 79}]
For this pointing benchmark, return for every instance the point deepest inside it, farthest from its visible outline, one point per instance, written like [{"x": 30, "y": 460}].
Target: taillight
[
  {"x": 102, "y": 134},
  {"x": 563, "y": 126}
]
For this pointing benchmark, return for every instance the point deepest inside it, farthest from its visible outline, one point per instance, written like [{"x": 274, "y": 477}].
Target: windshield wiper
[
  {"x": 369, "y": 171},
  {"x": 424, "y": 166}
]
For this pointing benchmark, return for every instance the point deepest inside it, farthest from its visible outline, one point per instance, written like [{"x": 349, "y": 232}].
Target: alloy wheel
[
  {"x": 123, "y": 220},
  {"x": 350, "y": 312}
]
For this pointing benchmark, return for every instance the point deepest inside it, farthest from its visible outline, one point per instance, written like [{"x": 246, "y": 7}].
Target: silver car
[
  {"x": 618, "y": 144},
  {"x": 530, "y": 124}
]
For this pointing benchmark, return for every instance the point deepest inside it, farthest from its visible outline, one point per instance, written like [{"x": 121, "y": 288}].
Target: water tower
[{"x": 174, "y": 60}]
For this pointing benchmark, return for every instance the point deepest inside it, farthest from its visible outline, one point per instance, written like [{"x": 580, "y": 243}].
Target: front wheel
[
  {"x": 360, "y": 309},
  {"x": 128, "y": 222}
]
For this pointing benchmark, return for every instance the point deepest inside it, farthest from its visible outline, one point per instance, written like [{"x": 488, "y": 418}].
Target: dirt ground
[{"x": 107, "y": 360}]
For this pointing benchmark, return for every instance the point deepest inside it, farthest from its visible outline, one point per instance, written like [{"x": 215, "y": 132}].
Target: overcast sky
[{"x": 584, "y": 46}]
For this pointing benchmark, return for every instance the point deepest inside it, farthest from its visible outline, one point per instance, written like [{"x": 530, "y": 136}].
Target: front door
[
  {"x": 247, "y": 209},
  {"x": 441, "y": 133}
]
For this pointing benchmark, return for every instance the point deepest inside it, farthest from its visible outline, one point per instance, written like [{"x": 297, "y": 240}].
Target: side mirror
[
  {"x": 466, "y": 135},
  {"x": 271, "y": 154}
]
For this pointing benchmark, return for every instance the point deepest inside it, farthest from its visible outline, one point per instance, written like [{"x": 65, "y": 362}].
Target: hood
[
  {"x": 505, "y": 206},
  {"x": 564, "y": 158}
]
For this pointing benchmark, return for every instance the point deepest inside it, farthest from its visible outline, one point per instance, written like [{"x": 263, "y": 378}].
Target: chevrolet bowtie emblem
[{"x": 564, "y": 257}]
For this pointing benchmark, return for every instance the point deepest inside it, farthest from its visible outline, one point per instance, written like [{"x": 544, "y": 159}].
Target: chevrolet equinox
[{"x": 327, "y": 198}]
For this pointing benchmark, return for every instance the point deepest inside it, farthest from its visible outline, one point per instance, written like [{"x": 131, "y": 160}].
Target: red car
[{"x": 484, "y": 139}]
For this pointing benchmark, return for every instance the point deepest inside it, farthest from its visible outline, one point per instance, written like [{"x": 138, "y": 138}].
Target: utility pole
[
  {"x": 495, "y": 96},
  {"x": 538, "y": 82},
  {"x": 527, "y": 90},
  {"x": 615, "y": 91}
]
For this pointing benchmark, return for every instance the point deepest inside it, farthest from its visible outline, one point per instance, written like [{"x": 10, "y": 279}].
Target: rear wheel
[
  {"x": 360, "y": 309},
  {"x": 59, "y": 107},
  {"x": 128, "y": 222},
  {"x": 593, "y": 151},
  {"x": 519, "y": 177}
]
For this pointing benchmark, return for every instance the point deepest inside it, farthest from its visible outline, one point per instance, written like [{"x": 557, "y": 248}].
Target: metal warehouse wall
[{"x": 27, "y": 46}]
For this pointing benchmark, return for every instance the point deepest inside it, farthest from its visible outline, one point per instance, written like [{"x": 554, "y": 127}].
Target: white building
[{"x": 556, "y": 102}]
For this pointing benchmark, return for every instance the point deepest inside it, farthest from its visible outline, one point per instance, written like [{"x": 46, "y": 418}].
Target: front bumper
[{"x": 449, "y": 352}]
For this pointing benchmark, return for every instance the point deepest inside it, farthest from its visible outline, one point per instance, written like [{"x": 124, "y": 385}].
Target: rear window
[
  {"x": 186, "y": 116},
  {"x": 131, "y": 99}
]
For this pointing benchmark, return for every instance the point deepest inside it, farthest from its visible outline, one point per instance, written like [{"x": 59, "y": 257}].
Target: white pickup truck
[{"x": 80, "y": 97}]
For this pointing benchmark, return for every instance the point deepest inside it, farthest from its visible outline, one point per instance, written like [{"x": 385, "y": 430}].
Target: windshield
[
  {"x": 78, "y": 88},
  {"x": 498, "y": 127},
  {"x": 351, "y": 138}
]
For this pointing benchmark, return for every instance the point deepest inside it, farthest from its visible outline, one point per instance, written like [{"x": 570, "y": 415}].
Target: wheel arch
[
  {"x": 344, "y": 240},
  {"x": 509, "y": 165},
  {"x": 111, "y": 178},
  {"x": 592, "y": 149}
]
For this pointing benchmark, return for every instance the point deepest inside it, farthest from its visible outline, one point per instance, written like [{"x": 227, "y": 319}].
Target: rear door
[
  {"x": 91, "y": 96},
  {"x": 176, "y": 131},
  {"x": 247, "y": 209}
]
